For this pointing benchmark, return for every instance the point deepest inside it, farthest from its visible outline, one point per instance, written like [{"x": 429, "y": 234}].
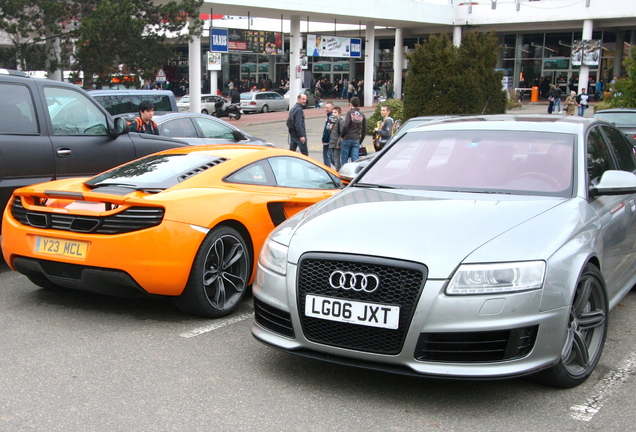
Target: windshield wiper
[{"x": 371, "y": 185}]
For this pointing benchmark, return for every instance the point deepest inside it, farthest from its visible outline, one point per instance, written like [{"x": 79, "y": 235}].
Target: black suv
[{"x": 51, "y": 130}]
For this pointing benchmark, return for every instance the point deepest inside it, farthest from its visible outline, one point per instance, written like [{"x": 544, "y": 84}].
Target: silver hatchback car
[{"x": 500, "y": 244}]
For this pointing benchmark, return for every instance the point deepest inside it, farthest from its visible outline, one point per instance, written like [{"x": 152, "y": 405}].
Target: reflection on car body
[{"x": 502, "y": 244}]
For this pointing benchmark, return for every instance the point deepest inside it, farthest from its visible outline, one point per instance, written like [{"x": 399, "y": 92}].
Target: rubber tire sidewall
[{"x": 193, "y": 299}]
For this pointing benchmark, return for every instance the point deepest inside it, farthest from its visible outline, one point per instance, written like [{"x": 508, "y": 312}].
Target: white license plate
[{"x": 352, "y": 312}]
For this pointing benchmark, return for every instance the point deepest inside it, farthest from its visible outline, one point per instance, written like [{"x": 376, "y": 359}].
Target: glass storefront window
[{"x": 532, "y": 46}]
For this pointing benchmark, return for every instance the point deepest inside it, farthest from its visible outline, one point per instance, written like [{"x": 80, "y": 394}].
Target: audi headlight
[
  {"x": 274, "y": 256},
  {"x": 497, "y": 278}
]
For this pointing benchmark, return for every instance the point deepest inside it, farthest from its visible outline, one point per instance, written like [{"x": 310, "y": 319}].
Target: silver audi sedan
[{"x": 483, "y": 247}]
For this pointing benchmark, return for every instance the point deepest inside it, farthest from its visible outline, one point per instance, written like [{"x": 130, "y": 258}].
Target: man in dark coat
[{"x": 296, "y": 126}]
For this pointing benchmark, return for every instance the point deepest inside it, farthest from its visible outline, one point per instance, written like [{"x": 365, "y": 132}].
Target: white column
[
  {"x": 584, "y": 72},
  {"x": 214, "y": 82},
  {"x": 457, "y": 35},
  {"x": 194, "y": 75},
  {"x": 369, "y": 52},
  {"x": 295, "y": 45},
  {"x": 398, "y": 63}
]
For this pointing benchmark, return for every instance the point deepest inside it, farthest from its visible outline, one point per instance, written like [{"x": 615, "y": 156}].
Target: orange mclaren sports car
[{"x": 186, "y": 223}]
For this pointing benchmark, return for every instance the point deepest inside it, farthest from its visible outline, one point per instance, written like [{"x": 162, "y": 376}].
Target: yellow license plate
[{"x": 66, "y": 248}]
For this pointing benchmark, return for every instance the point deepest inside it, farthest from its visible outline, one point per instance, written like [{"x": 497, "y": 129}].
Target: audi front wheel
[{"x": 585, "y": 333}]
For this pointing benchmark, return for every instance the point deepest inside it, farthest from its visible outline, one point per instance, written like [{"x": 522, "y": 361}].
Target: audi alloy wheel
[{"x": 585, "y": 334}]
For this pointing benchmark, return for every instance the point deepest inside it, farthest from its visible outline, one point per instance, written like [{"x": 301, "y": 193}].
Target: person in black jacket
[
  {"x": 353, "y": 132},
  {"x": 296, "y": 126}
]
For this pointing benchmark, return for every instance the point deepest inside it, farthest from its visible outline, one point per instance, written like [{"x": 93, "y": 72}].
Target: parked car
[
  {"x": 311, "y": 98},
  {"x": 263, "y": 102},
  {"x": 500, "y": 245},
  {"x": 623, "y": 118},
  {"x": 198, "y": 129},
  {"x": 186, "y": 223},
  {"x": 125, "y": 103},
  {"x": 51, "y": 130},
  {"x": 208, "y": 102}
]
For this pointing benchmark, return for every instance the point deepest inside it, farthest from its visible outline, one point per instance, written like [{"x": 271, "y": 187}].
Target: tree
[
  {"x": 623, "y": 94},
  {"x": 445, "y": 79},
  {"x": 109, "y": 38},
  {"x": 132, "y": 37}
]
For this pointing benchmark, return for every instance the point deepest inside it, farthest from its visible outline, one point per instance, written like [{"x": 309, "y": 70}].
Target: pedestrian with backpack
[{"x": 144, "y": 123}]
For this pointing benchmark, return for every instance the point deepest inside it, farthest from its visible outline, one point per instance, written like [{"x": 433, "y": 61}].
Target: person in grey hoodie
[{"x": 353, "y": 132}]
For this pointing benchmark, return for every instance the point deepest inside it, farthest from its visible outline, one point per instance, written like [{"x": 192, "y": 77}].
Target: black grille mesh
[
  {"x": 401, "y": 284},
  {"x": 131, "y": 219}
]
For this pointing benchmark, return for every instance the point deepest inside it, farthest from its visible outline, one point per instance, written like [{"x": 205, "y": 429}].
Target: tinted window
[
  {"x": 599, "y": 159},
  {"x": 618, "y": 118},
  {"x": 298, "y": 173},
  {"x": 258, "y": 173},
  {"x": 491, "y": 161},
  {"x": 181, "y": 127},
  {"x": 72, "y": 113},
  {"x": 623, "y": 149},
  {"x": 156, "y": 171},
  {"x": 17, "y": 115},
  {"x": 213, "y": 129},
  {"x": 123, "y": 104}
]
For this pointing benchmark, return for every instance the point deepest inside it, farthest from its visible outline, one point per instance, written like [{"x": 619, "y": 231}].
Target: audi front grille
[
  {"x": 128, "y": 220},
  {"x": 401, "y": 284}
]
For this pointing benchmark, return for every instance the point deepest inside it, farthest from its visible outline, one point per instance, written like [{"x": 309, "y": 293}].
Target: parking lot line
[
  {"x": 217, "y": 325},
  {"x": 611, "y": 382}
]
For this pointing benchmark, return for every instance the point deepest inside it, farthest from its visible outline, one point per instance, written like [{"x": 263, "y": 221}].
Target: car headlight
[
  {"x": 497, "y": 278},
  {"x": 274, "y": 256}
]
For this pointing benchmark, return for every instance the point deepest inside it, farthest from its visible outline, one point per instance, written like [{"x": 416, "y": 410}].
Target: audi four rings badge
[{"x": 354, "y": 281}]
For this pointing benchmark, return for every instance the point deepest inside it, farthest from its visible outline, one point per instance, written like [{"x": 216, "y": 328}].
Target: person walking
[
  {"x": 353, "y": 132},
  {"x": 144, "y": 123},
  {"x": 570, "y": 103},
  {"x": 326, "y": 134},
  {"x": 582, "y": 101},
  {"x": 336, "y": 133},
  {"x": 296, "y": 126}
]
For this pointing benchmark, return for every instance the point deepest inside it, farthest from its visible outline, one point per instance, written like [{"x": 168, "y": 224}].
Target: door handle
[{"x": 63, "y": 152}]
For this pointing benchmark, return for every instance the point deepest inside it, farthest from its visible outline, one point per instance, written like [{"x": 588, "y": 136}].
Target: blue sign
[
  {"x": 218, "y": 40},
  {"x": 356, "y": 47}
]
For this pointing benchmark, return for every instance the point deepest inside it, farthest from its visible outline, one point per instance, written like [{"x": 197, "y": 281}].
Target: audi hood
[{"x": 439, "y": 229}]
